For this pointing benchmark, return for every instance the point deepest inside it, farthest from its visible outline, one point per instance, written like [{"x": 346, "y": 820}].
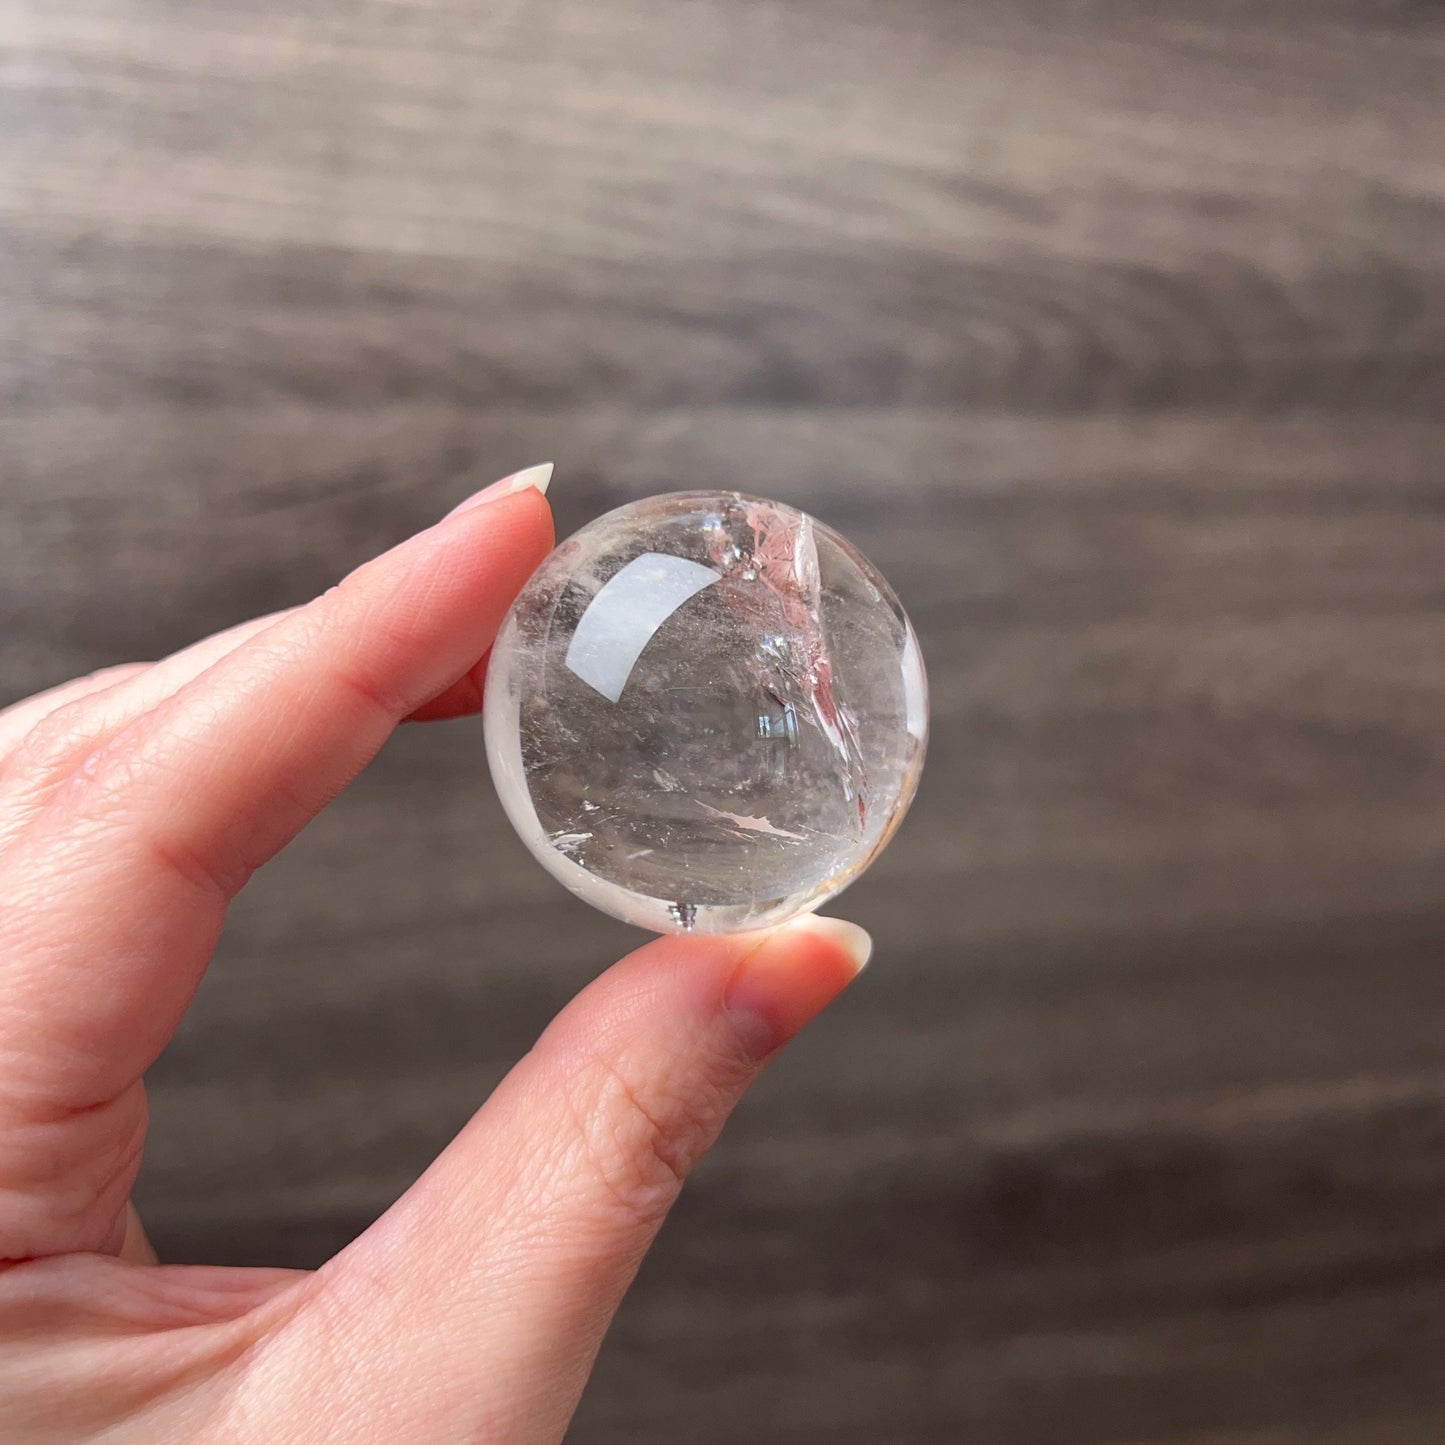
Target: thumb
[{"x": 475, "y": 1307}]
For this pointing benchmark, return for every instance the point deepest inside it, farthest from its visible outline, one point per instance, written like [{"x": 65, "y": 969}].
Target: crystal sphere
[{"x": 706, "y": 712}]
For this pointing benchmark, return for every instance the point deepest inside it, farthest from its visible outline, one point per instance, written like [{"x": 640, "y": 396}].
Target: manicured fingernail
[
  {"x": 539, "y": 478},
  {"x": 791, "y": 977}
]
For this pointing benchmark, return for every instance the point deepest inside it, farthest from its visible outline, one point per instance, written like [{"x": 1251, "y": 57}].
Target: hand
[{"x": 133, "y": 806}]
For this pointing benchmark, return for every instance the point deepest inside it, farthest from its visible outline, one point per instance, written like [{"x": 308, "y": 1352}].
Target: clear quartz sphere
[{"x": 706, "y": 712}]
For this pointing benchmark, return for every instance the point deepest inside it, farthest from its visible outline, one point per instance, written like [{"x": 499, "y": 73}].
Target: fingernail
[
  {"x": 791, "y": 977},
  {"x": 539, "y": 478}
]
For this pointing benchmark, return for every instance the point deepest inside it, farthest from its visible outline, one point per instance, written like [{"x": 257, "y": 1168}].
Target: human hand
[{"x": 133, "y": 806}]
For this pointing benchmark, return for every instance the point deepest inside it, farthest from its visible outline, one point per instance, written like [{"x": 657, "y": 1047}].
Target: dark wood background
[{"x": 1115, "y": 334}]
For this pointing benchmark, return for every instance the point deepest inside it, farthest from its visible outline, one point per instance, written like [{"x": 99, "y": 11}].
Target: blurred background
[{"x": 1115, "y": 334}]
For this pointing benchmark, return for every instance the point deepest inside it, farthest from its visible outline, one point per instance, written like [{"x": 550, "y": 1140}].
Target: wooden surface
[{"x": 1115, "y": 334}]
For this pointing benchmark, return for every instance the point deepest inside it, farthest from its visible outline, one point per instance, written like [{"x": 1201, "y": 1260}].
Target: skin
[{"x": 133, "y": 807}]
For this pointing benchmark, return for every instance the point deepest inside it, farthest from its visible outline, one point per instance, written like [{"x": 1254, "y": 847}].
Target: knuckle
[
  {"x": 639, "y": 1141},
  {"x": 321, "y": 632},
  {"x": 68, "y": 1169},
  {"x": 72, "y": 728},
  {"x": 55, "y": 743}
]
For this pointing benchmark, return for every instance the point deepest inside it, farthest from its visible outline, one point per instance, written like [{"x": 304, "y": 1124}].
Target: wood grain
[{"x": 1115, "y": 334}]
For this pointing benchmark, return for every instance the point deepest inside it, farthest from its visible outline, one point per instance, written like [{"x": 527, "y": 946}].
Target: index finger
[{"x": 123, "y": 881}]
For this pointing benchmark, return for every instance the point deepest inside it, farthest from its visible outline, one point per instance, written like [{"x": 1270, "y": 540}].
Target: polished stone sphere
[{"x": 706, "y": 712}]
